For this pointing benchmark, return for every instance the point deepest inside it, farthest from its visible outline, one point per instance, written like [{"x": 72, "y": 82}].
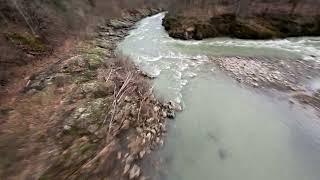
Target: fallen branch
[
  {"x": 109, "y": 75},
  {"x": 126, "y": 82}
]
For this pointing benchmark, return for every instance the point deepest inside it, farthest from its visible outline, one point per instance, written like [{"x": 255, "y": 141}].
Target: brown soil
[{"x": 87, "y": 114}]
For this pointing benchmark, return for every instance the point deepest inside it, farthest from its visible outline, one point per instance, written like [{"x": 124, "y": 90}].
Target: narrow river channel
[{"x": 226, "y": 131}]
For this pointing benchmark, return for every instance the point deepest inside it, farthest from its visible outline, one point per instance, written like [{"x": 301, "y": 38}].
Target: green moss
[
  {"x": 85, "y": 77},
  {"x": 87, "y": 147},
  {"x": 94, "y": 60},
  {"x": 97, "y": 51},
  {"x": 29, "y": 41},
  {"x": 92, "y": 54}
]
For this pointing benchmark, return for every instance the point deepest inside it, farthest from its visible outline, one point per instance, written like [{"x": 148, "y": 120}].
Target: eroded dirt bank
[
  {"x": 263, "y": 26},
  {"x": 91, "y": 115}
]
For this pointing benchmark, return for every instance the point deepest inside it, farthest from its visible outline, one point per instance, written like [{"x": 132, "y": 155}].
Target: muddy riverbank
[{"x": 92, "y": 115}]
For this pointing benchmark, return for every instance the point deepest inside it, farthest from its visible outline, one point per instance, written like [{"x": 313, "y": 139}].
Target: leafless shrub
[{"x": 133, "y": 100}]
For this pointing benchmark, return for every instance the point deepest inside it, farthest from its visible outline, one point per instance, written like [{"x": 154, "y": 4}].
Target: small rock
[
  {"x": 127, "y": 99},
  {"x": 142, "y": 153},
  {"x": 81, "y": 110},
  {"x": 291, "y": 101},
  {"x": 134, "y": 172},
  {"x": 66, "y": 127},
  {"x": 153, "y": 131},
  {"x": 174, "y": 106},
  {"x": 164, "y": 114},
  {"x": 171, "y": 114},
  {"x": 126, "y": 168},
  {"x": 161, "y": 142},
  {"x": 139, "y": 130},
  {"x": 254, "y": 84},
  {"x": 149, "y": 136},
  {"x": 150, "y": 120},
  {"x": 156, "y": 108}
]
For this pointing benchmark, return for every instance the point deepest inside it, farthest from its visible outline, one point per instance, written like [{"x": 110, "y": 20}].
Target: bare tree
[{"x": 25, "y": 16}]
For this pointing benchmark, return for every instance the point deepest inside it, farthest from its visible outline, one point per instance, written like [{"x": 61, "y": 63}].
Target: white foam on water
[
  {"x": 218, "y": 102},
  {"x": 314, "y": 84}
]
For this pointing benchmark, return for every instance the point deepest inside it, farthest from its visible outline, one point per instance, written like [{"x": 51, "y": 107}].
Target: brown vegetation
[
  {"x": 86, "y": 114},
  {"x": 33, "y": 30}
]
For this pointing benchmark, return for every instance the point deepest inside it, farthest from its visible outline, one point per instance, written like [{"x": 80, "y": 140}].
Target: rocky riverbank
[
  {"x": 92, "y": 115},
  {"x": 266, "y": 26},
  {"x": 292, "y": 76}
]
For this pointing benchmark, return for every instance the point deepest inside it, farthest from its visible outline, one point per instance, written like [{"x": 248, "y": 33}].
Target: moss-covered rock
[
  {"x": 27, "y": 42},
  {"x": 89, "y": 113}
]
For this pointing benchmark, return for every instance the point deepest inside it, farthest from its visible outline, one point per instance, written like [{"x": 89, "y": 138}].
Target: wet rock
[
  {"x": 222, "y": 154},
  {"x": 174, "y": 106},
  {"x": 171, "y": 114},
  {"x": 148, "y": 75},
  {"x": 164, "y": 114}
]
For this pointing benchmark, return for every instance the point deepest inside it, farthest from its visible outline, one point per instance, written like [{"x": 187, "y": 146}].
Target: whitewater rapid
[{"x": 226, "y": 131}]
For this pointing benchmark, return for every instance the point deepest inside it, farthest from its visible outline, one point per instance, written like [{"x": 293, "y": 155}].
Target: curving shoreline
[{"x": 282, "y": 74}]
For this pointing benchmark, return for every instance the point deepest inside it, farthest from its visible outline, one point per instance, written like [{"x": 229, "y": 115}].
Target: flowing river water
[{"x": 226, "y": 131}]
